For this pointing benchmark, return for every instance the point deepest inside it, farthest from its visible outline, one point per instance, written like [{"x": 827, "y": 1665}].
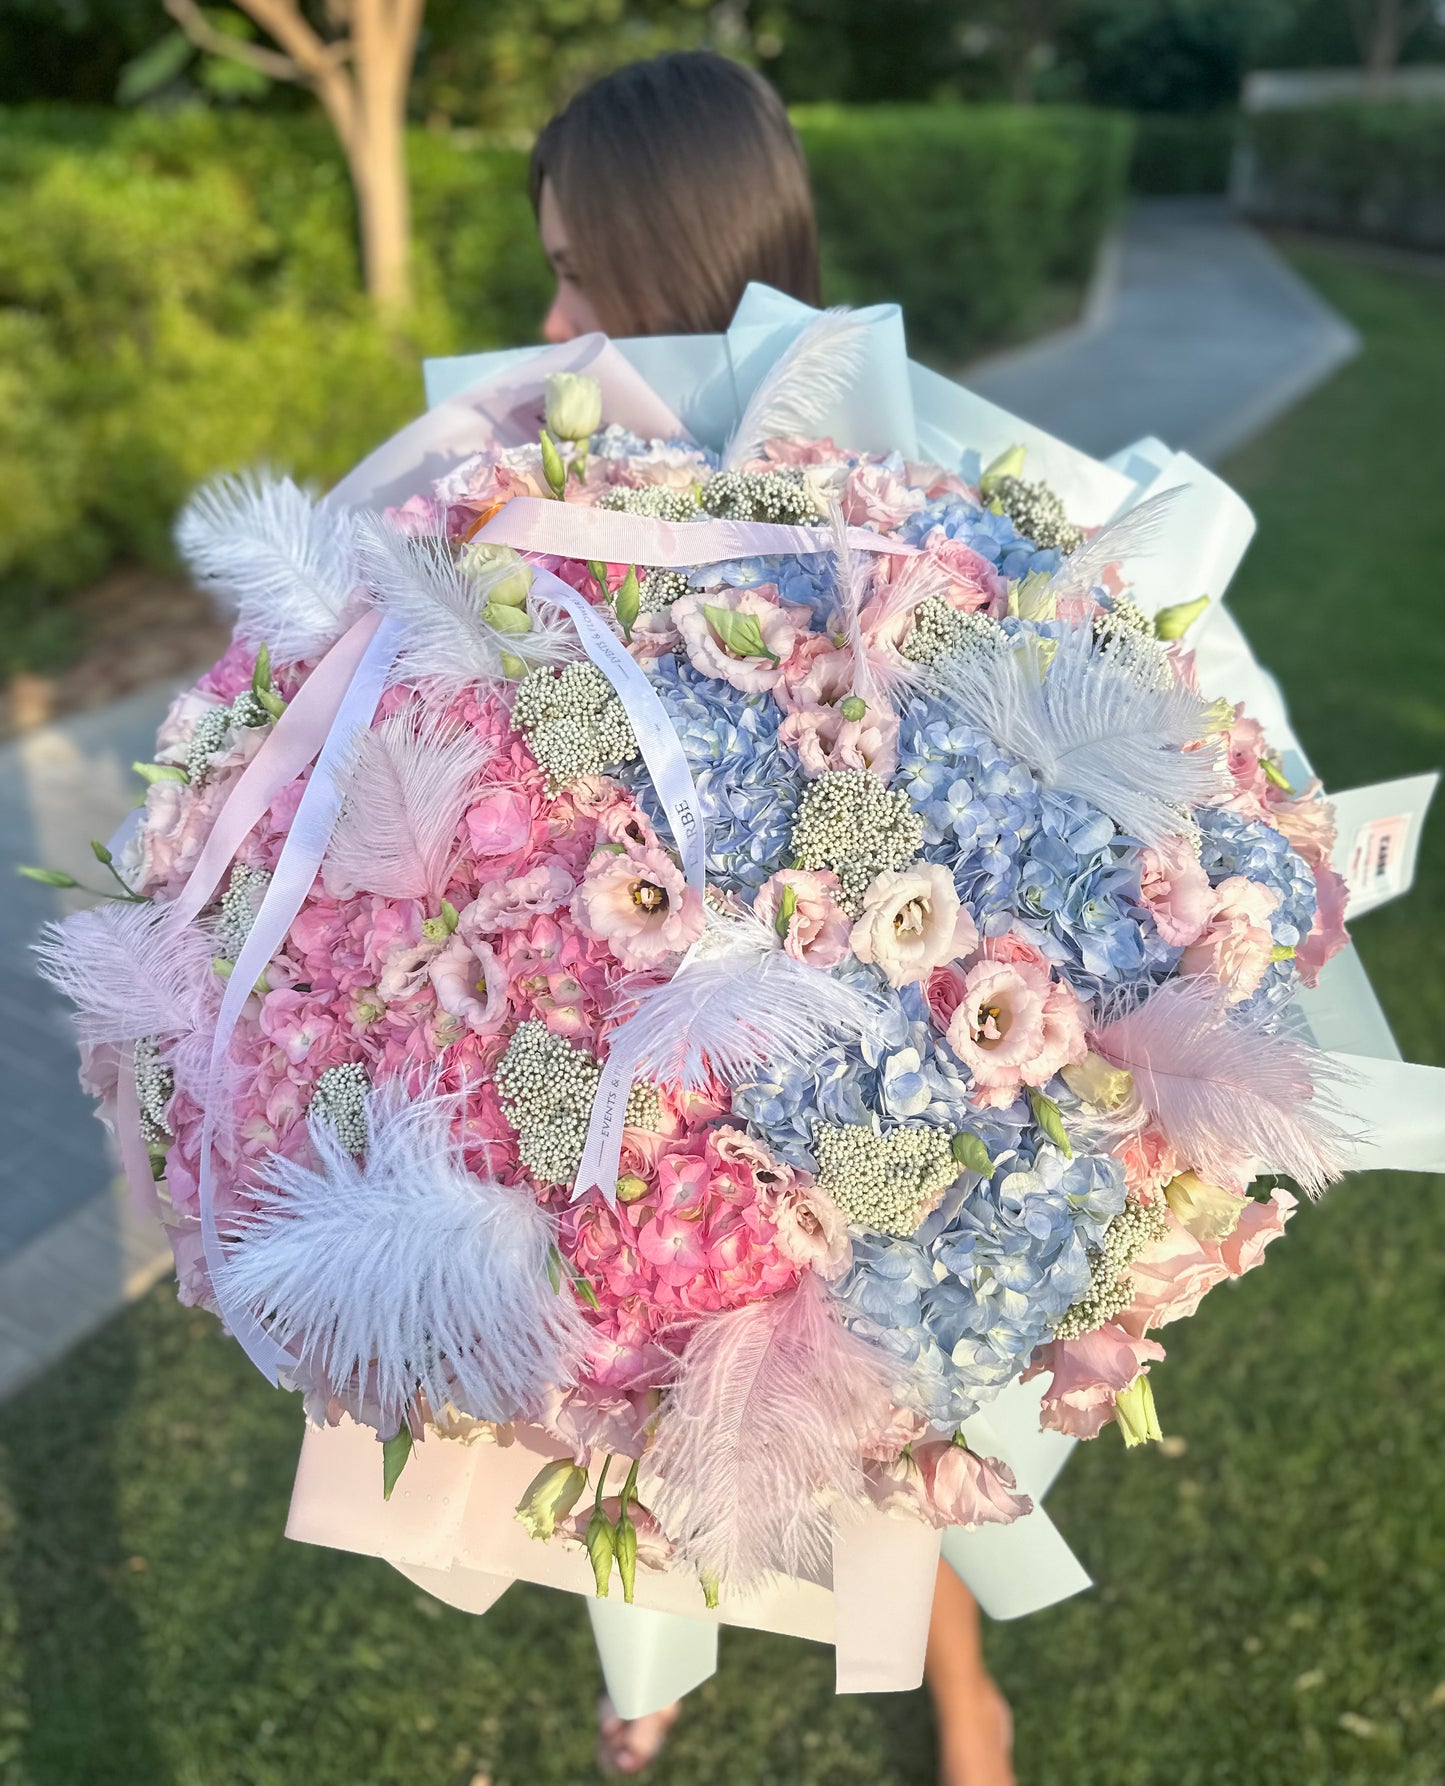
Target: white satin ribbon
[{"x": 295, "y": 874}]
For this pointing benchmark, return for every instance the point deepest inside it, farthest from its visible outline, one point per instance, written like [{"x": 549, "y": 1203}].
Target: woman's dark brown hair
[{"x": 679, "y": 180}]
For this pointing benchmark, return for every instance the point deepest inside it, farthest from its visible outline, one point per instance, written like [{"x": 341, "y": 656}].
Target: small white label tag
[{"x": 1379, "y": 838}]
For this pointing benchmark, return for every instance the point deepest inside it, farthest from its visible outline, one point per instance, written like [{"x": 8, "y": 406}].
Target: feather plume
[
  {"x": 757, "y": 1452},
  {"x": 286, "y": 564},
  {"x": 1133, "y": 535},
  {"x": 738, "y": 1002},
  {"x": 796, "y": 393},
  {"x": 1231, "y": 1094},
  {"x": 1103, "y": 719},
  {"x": 131, "y": 971},
  {"x": 407, "y": 784},
  {"x": 401, "y": 1272},
  {"x": 878, "y": 676},
  {"x": 445, "y": 641}
]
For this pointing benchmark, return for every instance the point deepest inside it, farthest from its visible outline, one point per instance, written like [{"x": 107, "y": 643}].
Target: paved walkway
[{"x": 1198, "y": 333}]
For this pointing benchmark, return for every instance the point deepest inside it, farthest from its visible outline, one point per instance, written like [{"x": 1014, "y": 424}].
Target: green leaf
[
  {"x": 740, "y": 633},
  {"x": 261, "y": 675},
  {"x": 394, "y": 1453},
  {"x": 272, "y": 702},
  {"x": 154, "y": 68},
  {"x": 152, "y": 772},
  {"x": 47, "y": 877},
  {"x": 599, "y": 577},
  {"x": 554, "y": 1268},
  {"x": 627, "y": 602},
  {"x": 226, "y": 79},
  {"x": 970, "y": 1152},
  {"x": 450, "y": 916},
  {"x": 1046, "y": 1115},
  {"x": 787, "y": 905},
  {"x": 582, "y": 1284}
]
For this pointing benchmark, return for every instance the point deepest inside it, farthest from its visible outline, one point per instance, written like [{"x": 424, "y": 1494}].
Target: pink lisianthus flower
[
  {"x": 1176, "y": 890},
  {"x": 1148, "y": 1160},
  {"x": 825, "y": 740},
  {"x": 1327, "y": 935},
  {"x": 817, "y": 932},
  {"x": 230, "y": 675},
  {"x": 1245, "y": 751},
  {"x": 960, "y": 1488},
  {"x": 639, "y": 904},
  {"x": 512, "y": 904},
  {"x": 877, "y": 494},
  {"x": 1236, "y": 945},
  {"x": 780, "y": 626},
  {"x": 1259, "y": 1223},
  {"x": 1088, "y": 1372},
  {"x": 1014, "y": 1025},
  {"x": 1307, "y": 820},
  {"x": 588, "y": 1418},
  {"x": 469, "y": 980},
  {"x": 912, "y": 922},
  {"x": 1171, "y": 1277}
]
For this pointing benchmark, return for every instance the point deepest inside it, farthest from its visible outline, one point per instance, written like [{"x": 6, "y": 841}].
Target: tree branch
[
  {"x": 312, "y": 54},
  {"x": 204, "y": 35}
]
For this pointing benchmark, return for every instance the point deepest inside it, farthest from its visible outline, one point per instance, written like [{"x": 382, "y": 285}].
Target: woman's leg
[
  {"x": 627, "y": 1745},
  {"x": 975, "y": 1730}
]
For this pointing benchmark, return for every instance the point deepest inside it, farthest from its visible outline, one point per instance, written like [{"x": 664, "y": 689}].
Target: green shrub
[
  {"x": 1353, "y": 167},
  {"x": 1181, "y": 152},
  {"x": 966, "y": 215},
  {"x": 180, "y": 293}
]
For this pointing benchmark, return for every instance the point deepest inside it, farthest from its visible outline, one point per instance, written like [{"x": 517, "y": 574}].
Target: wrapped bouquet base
[{"x": 705, "y": 991}]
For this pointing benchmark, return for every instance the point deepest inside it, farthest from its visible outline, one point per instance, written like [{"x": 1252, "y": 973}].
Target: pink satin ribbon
[{"x": 570, "y": 530}]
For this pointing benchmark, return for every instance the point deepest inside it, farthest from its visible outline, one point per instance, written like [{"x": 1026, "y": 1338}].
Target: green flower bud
[
  {"x": 1173, "y": 623},
  {"x": 627, "y": 602},
  {"x": 395, "y": 1453},
  {"x": 853, "y": 708},
  {"x": 787, "y": 905},
  {"x": 624, "y": 1543},
  {"x": 1009, "y": 464},
  {"x": 553, "y": 468},
  {"x": 971, "y": 1153},
  {"x": 507, "y": 575},
  {"x": 739, "y": 633},
  {"x": 574, "y": 405},
  {"x": 709, "y": 1591},
  {"x": 1273, "y": 773},
  {"x": 513, "y": 666},
  {"x": 101, "y": 852},
  {"x": 551, "y": 1495},
  {"x": 1134, "y": 1411},
  {"x": 600, "y": 1550},
  {"x": 1096, "y": 1083},
  {"x": 1046, "y": 1115},
  {"x": 505, "y": 619},
  {"x": 630, "y": 1187},
  {"x": 47, "y": 877},
  {"x": 1283, "y": 952}
]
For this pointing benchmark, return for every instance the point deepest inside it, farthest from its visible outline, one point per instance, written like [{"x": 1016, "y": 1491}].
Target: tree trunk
[
  {"x": 383, "y": 36},
  {"x": 1382, "y": 49}
]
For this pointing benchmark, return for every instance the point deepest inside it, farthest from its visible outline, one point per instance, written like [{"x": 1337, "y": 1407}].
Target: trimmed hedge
[
  {"x": 1177, "y": 153},
  {"x": 1353, "y": 168},
  {"x": 179, "y": 292}
]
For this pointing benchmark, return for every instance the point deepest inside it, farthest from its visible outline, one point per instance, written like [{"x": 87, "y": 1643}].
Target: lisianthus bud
[
  {"x": 600, "y": 1541},
  {"x": 1009, "y": 464},
  {"x": 1032, "y": 598},
  {"x": 624, "y": 1545},
  {"x": 506, "y": 620},
  {"x": 574, "y": 405},
  {"x": 853, "y": 708},
  {"x": 1209, "y": 1213},
  {"x": 553, "y": 468},
  {"x": 509, "y": 577},
  {"x": 1095, "y": 1082},
  {"x": 1173, "y": 623},
  {"x": 513, "y": 666},
  {"x": 1134, "y": 1411},
  {"x": 709, "y": 1591},
  {"x": 627, "y": 602},
  {"x": 1046, "y": 1115},
  {"x": 970, "y": 1151},
  {"x": 551, "y": 1495}
]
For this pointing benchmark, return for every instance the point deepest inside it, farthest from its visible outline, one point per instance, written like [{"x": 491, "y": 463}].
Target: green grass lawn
[{"x": 1272, "y": 1595}]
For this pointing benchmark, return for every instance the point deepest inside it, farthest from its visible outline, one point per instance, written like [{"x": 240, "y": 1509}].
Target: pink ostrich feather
[
  {"x": 758, "y": 1450},
  {"x": 1230, "y": 1093}
]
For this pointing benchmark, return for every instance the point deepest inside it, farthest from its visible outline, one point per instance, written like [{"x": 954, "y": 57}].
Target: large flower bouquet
[{"x": 731, "y": 1011}]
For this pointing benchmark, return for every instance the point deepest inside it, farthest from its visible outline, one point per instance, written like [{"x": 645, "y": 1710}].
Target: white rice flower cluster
[
  {"x": 213, "y": 731},
  {"x": 1111, "y": 1286},
  {"x": 155, "y": 1085},
  {"x": 850, "y": 822},
  {"x": 781, "y": 496},
  {"x": 941, "y": 631},
  {"x": 247, "y": 710},
  {"x": 1123, "y": 618},
  {"x": 547, "y": 1088},
  {"x": 884, "y": 1182},
  {"x": 239, "y": 905},
  {"x": 1037, "y": 513},
  {"x": 339, "y": 1100},
  {"x": 656, "y": 502},
  {"x": 574, "y": 723},
  {"x": 658, "y": 589}
]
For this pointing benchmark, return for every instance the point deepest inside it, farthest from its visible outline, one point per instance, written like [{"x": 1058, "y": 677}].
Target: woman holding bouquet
[{"x": 661, "y": 191}]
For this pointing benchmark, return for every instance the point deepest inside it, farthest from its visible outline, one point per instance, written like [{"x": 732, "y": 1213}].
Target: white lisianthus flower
[
  {"x": 1208, "y": 1212},
  {"x": 574, "y": 406},
  {"x": 911, "y": 923}
]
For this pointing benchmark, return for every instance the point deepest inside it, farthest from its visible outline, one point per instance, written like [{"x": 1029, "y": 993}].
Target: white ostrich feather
[
  {"x": 131, "y": 971},
  {"x": 1230, "y": 1093},
  {"x": 407, "y": 784},
  {"x": 796, "y": 393},
  {"x": 757, "y": 1450},
  {"x": 738, "y": 1001},
  {"x": 283, "y": 562},
  {"x": 445, "y": 642},
  {"x": 880, "y": 677},
  {"x": 1095, "y": 718},
  {"x": 1133, "y": 535},
  {"x": 402, "y": 1272}
]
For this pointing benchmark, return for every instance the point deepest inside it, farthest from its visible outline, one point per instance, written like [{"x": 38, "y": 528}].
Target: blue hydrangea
[
  {"x": 979, "y": 808},
  {"x": 965, "y": 1304},
  {"x": 806, "y": 580},
  {"x": 992, "y": 536},
  {"x": 1233, "y": 845},
  {"x": 747, "y": 784}
]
